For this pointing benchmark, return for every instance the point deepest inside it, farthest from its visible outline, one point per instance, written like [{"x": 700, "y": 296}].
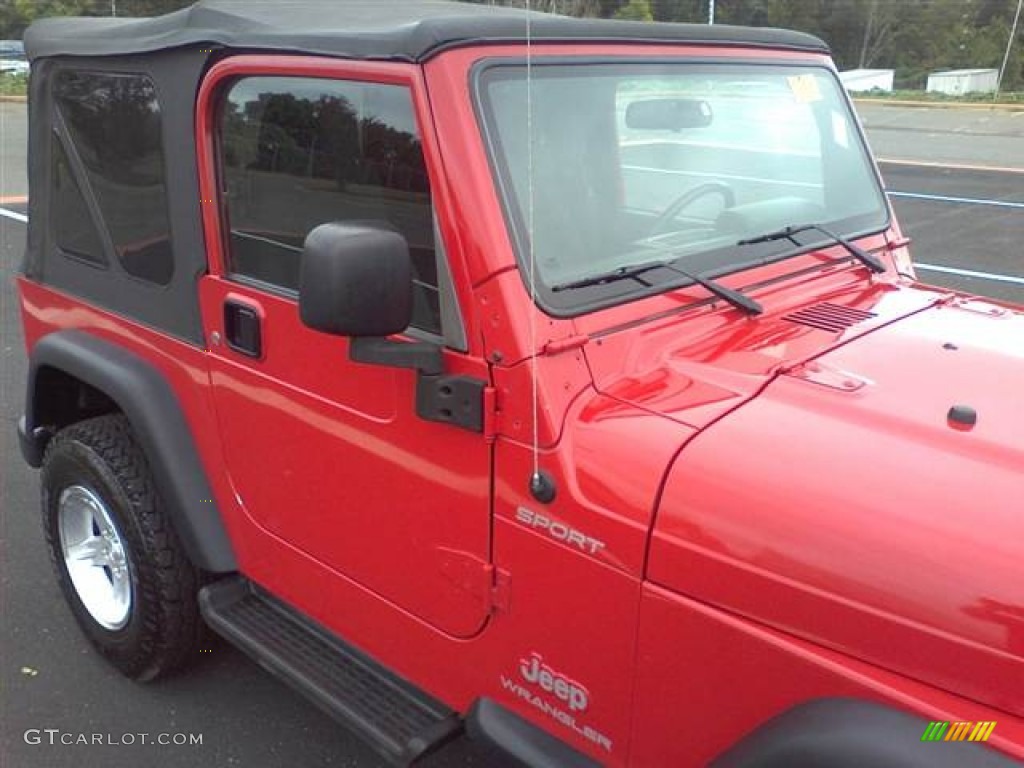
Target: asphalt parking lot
[
  {"x": 956, "y": 180},
  {"x": 967, "y": 223},
  {"x": 951, "y": 238}
]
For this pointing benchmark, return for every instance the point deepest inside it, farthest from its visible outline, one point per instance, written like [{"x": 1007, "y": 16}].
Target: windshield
[{"x": 622, "y": 164}]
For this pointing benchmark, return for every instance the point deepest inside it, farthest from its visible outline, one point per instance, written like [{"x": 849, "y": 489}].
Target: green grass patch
[
  {"x": 13, "y": 85},
  {"x": 1004, "y": 97}
]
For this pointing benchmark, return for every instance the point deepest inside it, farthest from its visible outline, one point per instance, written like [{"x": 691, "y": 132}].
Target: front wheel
[{"x": 118, "y": 559}]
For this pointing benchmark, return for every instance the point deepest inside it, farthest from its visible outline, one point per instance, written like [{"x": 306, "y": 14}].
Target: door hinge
[
  {"x": 490, "y": 406},
  {"x": 501, "y": 591},
  {"x": 479, "y": 579}
]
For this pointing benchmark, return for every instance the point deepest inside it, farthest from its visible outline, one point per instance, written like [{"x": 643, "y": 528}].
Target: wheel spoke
[
  {"x": 94, "y": 551},
  {"x": 120, "y": 580}
]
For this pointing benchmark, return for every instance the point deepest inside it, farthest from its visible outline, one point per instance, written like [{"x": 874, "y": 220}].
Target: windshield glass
[{"x": 622, "y": 164}]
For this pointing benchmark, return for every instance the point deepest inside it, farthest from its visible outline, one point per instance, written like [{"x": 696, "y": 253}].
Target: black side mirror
[
  {"x": 355, "y": 280},
  {"x": 668, "y": 114}
]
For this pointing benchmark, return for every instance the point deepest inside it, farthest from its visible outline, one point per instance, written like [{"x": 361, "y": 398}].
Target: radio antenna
[
  {"x": 541, "y": 486},
  {"x": 532, "y": 253}
]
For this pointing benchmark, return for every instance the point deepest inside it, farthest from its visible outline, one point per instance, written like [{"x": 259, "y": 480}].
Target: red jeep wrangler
[{"x": 564, "y": 380}]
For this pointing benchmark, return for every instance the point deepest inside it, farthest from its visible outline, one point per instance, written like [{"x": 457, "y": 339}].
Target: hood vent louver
[{"x": 829, "y": 317}]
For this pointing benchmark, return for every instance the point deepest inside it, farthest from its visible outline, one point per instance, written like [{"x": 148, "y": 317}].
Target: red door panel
[
  {"x": 327, "y": 456},
  {"x": 330, "y": 456}
]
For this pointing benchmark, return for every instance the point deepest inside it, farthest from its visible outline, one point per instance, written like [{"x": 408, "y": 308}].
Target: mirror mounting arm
[{"x": 424, "y": 356}]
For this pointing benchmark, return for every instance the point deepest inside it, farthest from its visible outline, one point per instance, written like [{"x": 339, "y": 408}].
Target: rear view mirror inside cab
[{"x": 668, "y": 114}]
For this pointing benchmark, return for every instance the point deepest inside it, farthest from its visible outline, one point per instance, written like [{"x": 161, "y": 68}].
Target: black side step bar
[{"x": 399, "y": 721}]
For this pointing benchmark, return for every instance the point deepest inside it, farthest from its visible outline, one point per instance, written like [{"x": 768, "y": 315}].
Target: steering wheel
[{"x": 688, "y": 198}]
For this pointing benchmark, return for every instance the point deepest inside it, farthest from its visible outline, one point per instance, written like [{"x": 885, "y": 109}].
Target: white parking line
[
  {"x": 14, "y": 215},
  {"x": 971, "y": 273},
  {"x": 927, "y": 267},
  {"x": 947, "y": 199}
]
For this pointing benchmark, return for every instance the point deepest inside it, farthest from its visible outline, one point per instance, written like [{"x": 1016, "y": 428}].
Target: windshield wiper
[
  {"x": 635, "y": 271},
  {"x": 869, "y": 260}
]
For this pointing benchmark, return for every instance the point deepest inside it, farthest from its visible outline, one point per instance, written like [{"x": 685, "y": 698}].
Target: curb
[
  {"x": 14, "y": 99},
  {"x": 1005, "y": 106}
]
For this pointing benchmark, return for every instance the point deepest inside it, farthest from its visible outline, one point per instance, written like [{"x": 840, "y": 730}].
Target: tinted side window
[
  {"x": 298, "y": 152},
  {"x": 114, "y": 123},
  {"x": 72, "y": 225}
]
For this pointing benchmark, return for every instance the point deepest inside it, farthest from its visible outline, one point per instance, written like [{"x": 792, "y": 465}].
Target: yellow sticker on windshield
[{"x": 805, "y": 88}]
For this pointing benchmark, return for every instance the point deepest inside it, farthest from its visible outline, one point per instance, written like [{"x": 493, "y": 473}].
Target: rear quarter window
[
  {"x": 113, "y": 122},
  {"x": 71, "y": 223}
]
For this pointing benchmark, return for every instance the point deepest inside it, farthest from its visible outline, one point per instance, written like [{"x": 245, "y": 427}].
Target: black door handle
[{"x": 242, "y": 328}]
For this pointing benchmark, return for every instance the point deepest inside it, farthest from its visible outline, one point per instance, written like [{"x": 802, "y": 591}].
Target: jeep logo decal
[
  {"x": 534, "y": 670},
  {"x": 573, "y": 699}
]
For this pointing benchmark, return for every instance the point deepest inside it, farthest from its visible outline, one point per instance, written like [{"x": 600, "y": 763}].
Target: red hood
[
  {"x": 841, "y": 505},
  {"x": 698, "y": 366}
]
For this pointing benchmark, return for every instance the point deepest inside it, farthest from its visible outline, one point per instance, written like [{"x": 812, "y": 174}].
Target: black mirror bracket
[
  {"x": 424, "y": 356},
  {"x": 449, "y": 399}
]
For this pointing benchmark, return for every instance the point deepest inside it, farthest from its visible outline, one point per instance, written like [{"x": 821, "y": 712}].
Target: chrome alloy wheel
[{"x": 95, "y": 557}]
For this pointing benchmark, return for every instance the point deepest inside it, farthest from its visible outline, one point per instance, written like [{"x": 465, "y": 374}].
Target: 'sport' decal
[{"x": 559, "y": 531}]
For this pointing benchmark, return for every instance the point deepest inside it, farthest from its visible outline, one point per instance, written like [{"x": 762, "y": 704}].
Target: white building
[
  {"x": 959, "y": 81},
  {"x": 867, "y": 80}
]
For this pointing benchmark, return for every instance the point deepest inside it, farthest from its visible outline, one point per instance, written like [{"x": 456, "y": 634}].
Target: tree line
[{"x": 913, "y": 37}]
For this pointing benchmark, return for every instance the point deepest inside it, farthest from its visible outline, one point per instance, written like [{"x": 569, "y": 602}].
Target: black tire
[{"x": 161, "y": 628}]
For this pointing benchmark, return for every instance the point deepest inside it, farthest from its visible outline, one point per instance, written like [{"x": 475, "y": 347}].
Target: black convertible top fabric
[{"x": 403, "y": 30}]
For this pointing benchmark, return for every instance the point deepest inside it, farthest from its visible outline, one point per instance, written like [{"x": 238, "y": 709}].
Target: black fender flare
[
  {"x": 152, "y": 408},
  {"x": 852, "y": 733},
  {"x": 511, "y": 740}
]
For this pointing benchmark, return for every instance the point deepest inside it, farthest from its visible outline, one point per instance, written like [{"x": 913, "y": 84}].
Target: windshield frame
[{"x": 574, "y": 303}]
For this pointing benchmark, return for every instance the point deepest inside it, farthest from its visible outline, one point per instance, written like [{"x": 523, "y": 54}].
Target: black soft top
[{"x": 401, "y": 30}]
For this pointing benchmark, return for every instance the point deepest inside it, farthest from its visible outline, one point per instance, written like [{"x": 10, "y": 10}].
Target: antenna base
[{"x": 542, "y": 487}]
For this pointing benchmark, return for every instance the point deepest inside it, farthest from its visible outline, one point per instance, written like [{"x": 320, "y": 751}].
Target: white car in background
[{"x": 12, "y": 58}]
